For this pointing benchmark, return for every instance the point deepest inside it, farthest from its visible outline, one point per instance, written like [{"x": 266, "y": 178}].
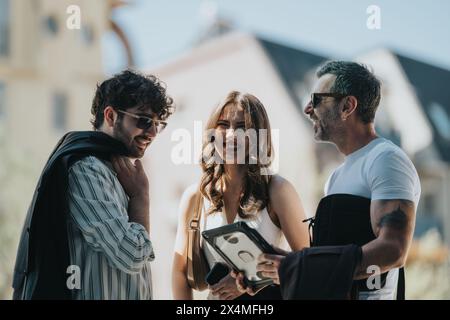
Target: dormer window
[{"x": 441, "y": 119}]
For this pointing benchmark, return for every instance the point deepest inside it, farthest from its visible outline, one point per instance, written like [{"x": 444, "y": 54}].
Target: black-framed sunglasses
[
  {"x": 146, "y": 123},
  {"x": 316, "y": 98}
]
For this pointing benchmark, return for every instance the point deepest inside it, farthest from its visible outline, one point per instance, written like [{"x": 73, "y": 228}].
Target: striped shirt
[{"x": 113, "y": 254}]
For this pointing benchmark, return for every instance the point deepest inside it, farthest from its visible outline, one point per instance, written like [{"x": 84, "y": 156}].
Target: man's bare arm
[{"x": 393, "y": 224}]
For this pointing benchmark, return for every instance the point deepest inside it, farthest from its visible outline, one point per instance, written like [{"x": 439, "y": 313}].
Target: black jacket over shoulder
[
  {"x": 319, "y": 273},
  {"x": 43, "y": 254},
  {"x": 342, "y": 225}
]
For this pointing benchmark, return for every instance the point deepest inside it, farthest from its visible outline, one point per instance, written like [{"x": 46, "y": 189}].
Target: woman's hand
[{"x": 226, "y": 289}]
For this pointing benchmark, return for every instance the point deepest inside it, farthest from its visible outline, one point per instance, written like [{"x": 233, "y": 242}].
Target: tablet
[{"x": 240, "y": 245}]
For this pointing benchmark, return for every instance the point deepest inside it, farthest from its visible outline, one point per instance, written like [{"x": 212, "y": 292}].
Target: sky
[{"x": 159, "y": 30}]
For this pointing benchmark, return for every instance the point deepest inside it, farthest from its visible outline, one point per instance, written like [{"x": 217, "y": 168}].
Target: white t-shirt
[{"x": 378, "y": 171}]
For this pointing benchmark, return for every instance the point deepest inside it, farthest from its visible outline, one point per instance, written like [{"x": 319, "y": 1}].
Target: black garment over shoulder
[
  {"x": 343, "y": 219},
  {"x": 342, "y": 224},
  {"x": 319, "y": 273},
  {"x": 43, "y": 253}
]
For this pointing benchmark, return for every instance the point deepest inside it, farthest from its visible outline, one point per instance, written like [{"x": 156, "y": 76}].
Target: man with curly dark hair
[
  {"x": 86, "y": 235},
  {"x": 128, "y": 104}
]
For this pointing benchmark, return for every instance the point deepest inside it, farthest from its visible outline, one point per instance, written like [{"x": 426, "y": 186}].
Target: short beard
[
  {"x": 329, "y": 124},
  {"x": 118, "y": 131},
  {"x": 119, "y": 134}
]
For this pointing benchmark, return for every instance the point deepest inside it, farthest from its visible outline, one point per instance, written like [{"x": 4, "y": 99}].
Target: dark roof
[
  {"x": 430, "y": 83},
  {"x": 432, "y": 87},
  {"x": 292, "y": 64}
]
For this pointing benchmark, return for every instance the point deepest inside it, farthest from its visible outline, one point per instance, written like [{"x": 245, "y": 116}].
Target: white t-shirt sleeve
[
  {"x": 327, "y": 185},
  {"x": 393, "y": 176}
]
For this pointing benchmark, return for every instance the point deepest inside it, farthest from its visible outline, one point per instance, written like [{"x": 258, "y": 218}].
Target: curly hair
[
  {"x": 255, "y": 196},
  {"x": 130, "y": 89}
]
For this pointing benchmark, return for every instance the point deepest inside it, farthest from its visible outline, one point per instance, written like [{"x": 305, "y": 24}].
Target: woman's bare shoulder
[{"x": 279, "y": 184}]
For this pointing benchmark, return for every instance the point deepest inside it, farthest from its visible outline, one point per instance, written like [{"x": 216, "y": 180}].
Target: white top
[
  {"x": 379, "y": 170},
  {"x": 262, "y": 223}
]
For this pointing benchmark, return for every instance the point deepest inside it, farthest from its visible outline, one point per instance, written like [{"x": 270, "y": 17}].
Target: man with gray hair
[{"x": 370, "y": 199}]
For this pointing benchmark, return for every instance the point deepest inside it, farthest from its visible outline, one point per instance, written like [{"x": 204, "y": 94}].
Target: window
[
  {"x": 87, "y": 34},
  {"x": 441, "y": 119},
  {"x": 2, "y": 100},
  {"x": 50, "y": 25},
  {"x": 428, "y": 217},
  {"x": 60, "y": 111},
  {"x": 4, "y": 28}
]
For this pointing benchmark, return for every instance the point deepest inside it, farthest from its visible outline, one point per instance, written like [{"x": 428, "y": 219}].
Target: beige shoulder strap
[{"x": 197, "y": 212}]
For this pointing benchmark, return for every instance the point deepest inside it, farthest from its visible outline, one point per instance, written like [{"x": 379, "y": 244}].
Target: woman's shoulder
[
  {"x": 281, "y": 191},
  {"x": 279, "y": 184}
]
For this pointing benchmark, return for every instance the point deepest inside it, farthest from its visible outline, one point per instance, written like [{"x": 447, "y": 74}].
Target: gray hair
[{"x": 356, "y": 80}]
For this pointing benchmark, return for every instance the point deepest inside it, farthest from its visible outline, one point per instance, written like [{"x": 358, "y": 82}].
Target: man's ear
[
  {"x": 350, "y": 105},
  {"x": 109, "y": 116}
]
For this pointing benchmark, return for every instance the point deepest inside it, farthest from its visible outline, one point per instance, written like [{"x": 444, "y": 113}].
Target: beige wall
[{"x": 41, "y": 64}]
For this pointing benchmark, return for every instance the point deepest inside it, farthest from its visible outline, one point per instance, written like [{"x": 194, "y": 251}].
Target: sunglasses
[
  {"x": 316, "y": 98},
  {"x": 146, "y": 123}
]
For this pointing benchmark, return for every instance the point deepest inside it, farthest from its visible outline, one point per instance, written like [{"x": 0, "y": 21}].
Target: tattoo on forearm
[{"x": 396, "y": 219}]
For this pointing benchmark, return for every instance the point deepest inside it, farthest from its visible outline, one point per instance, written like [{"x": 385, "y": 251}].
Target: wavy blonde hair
[{"x": 255, "y": 196}]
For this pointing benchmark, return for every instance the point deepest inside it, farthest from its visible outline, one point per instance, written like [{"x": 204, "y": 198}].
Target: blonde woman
[{"x": 235, "y": 190}]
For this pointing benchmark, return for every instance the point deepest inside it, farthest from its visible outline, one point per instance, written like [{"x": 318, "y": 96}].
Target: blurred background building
[
  {"x": 47, "y": 71},
  {"x": 48, "y": 75}
]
